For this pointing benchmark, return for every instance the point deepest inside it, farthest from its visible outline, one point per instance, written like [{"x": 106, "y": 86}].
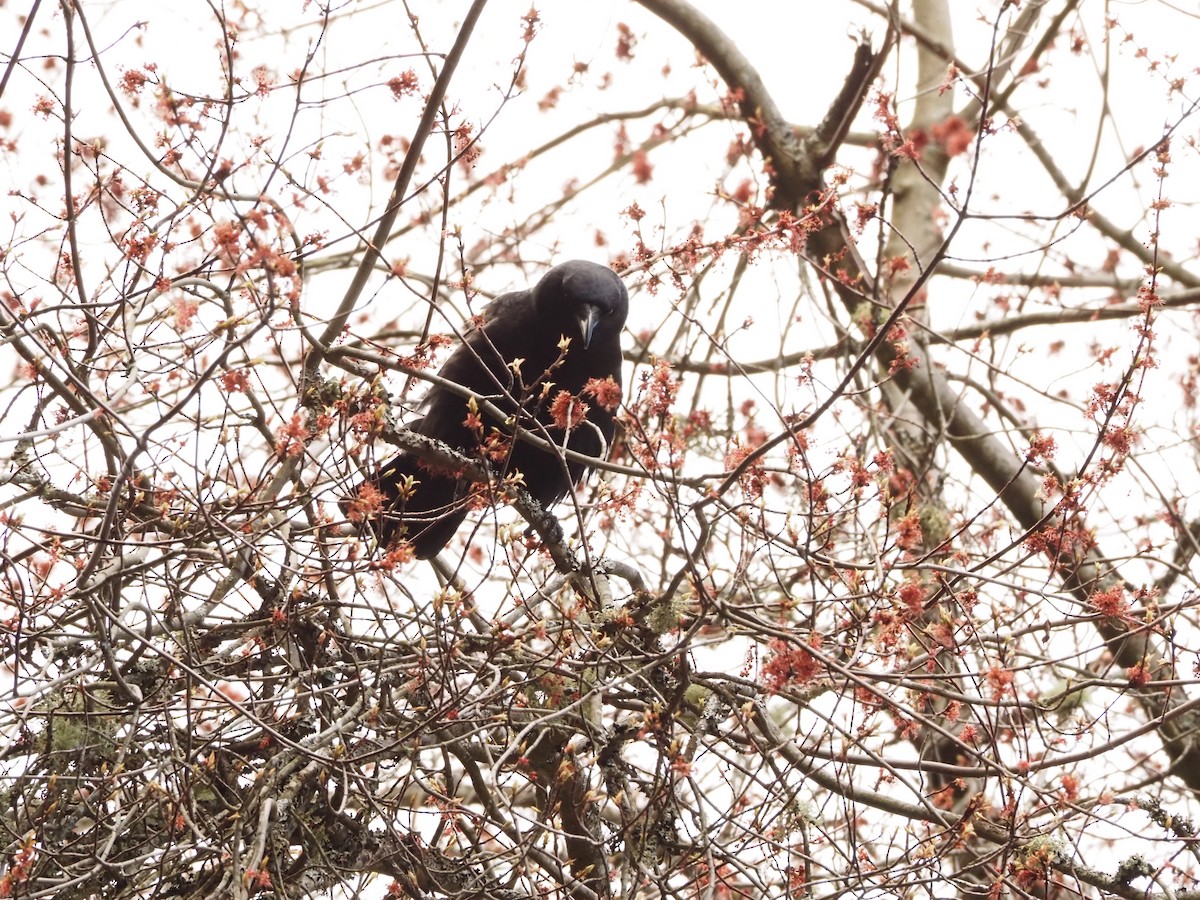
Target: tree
[{"x": 886, "y": 589}]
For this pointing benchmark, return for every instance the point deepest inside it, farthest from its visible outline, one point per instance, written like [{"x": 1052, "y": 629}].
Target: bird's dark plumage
[{"x": 581, "y": 301}]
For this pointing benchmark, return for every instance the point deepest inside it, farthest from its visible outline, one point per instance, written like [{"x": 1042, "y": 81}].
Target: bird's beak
[{"x": 589, "y": 315}]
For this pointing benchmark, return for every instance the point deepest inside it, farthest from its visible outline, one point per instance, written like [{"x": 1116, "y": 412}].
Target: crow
[{"x": 550, "y": 359}]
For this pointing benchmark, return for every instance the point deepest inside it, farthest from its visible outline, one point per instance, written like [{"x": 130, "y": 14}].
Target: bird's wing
[
  {"x": 480, "y": 364},
  {"x": 464, "y": 365},
  {"x": 512, "y": 303},
  {"x": 508, "y": 330}
]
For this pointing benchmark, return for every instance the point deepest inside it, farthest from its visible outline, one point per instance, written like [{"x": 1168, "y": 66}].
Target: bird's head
[{"x": 586, "y": 299}]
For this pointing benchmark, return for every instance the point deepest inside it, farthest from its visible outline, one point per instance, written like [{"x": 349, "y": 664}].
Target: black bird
[{"x": 532, "y": 346}]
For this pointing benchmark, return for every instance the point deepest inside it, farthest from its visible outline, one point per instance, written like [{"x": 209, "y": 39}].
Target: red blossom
[
  {"x": 258, "y": 878},
  {"x": 263, "y": 80},
  {"x": 753, "y": 479},
  {"x": 626, "y": 41},
  {"x": 366, "y": 504},
  {"x": 663, "y": 388},
  {"x": 473, "y": 422},
  {"x": 908, "y": 532},
  {"x": 953, "y": 134},
  {"x": 606, "y": 392},
  {"x": 1041, "y": 448},
  {"x": 1032, "y": 869},
  {"x": 1056, "y": 539},
  {"x": 1000, "y": 680},
  {"x": 732, "y": 100},
  {"x": 902, "y": 361},
  {"x": 138, "y": 248},
  {"x": 885, "y": 113},
  {"x": 947, "y": 84},
  {"x": 864, "y": 213},
  {"x": 184, "y": 309},
  {"x": 1110, "y": 603},
  {"x": 496, "y": 447},
  {"x": 398, "y": 554},
  {"x": 739, "y": 148},
  {"x": 621, "y": 144},
  {"x": 790, "y": 665},
  {"x": 953, "y": 711},
  {"x": 943, "y": 633},
  {"x": 292, "y": 436},
  {"x": 1139, "y": 675},
  {"x": 743, "y": 192},
  {"x": 227, "y": 236},
  {"x": 620, "y": 505},
  {"x": 466, "y": 148},
  {"x": 404, "y": 84},
  {"x": 532, "y": 20},
  {"x": 567, "y": 411},
  {"x": 1120, "y": 439},
  {"x": 235, "y": 382},
  {"x": 550, "y": 100},
  {"x": 132, "y": 82},
  {"x": 642, "y": 170},
  {"x": 912, "y": 595}
]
